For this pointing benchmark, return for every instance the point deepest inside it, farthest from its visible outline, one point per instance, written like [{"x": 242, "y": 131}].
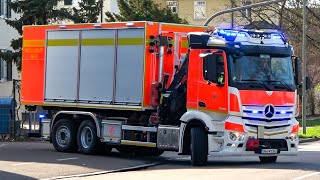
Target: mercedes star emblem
[{"x": 269, "y": 111}]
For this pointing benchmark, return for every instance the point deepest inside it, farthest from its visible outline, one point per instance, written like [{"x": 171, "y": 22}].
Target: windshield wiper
[
  {"x": 258, "y": 81},
  {"x": 282, "y": 83}
]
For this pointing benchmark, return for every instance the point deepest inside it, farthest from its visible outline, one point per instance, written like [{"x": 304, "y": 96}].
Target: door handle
[{"x": 202, "y": 104}]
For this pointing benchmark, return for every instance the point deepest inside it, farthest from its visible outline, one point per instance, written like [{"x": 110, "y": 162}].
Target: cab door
[{"x": 213, "y": 82}]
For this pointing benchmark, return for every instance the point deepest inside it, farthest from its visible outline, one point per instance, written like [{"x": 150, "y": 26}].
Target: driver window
[{"x": 213, "y": 68}]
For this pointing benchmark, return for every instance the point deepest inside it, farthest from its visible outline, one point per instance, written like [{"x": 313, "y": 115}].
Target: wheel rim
[
  {"x": 86, "y": 137},
  {"x": 63, "y": 136}
]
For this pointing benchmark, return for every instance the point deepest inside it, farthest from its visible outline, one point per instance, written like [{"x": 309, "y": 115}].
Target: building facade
[
  {"x": 198, "y": 11},
  {"x": 195, "y": 11},
  {"x": 108, "y": 5},
  {"x": 8, "y": 70}
]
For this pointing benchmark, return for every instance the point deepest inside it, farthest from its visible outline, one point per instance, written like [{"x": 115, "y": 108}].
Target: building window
[
  {"x": 5, "y": 70},
  {"x": 67, "y": 2},
  {"x": 5, "y": 10},
  {"x": 246, "y": 13},
  {"x": 200, "y": 8},
  {"x": 173, "y": 5}
]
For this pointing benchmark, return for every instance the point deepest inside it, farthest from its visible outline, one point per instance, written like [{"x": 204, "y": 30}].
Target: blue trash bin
[{"x": 6, "y": 115}]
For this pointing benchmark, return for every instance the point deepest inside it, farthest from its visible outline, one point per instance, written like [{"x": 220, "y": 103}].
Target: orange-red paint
[
  {"x": 33, "y": 56},
  {"x": 295, "y": 128},
  {"x": 277, "y": 98},
  {"x": 234, "y": 103},
  {"x": 234, "y": 127},
  {"x": 214, "y": 97}
]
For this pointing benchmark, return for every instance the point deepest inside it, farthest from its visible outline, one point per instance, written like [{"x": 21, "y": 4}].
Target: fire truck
[{"x": 148, "y": 87}]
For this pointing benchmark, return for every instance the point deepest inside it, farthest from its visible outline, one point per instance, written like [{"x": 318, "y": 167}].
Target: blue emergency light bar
[{"x": 233, "y": 34}]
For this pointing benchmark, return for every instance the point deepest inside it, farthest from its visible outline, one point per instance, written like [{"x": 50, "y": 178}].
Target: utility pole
[
  {"x": 232, "y": 14},
  {"x": 304, "y": 66},
  {"x": 102, "y": 11}
]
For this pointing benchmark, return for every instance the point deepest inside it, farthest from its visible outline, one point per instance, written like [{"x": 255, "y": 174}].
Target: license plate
[{"x": 269, "y": 151}]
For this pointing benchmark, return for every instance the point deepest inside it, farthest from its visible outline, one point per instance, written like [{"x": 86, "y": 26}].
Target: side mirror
[
  {"x": 308, "y": 83},
  {"x": 297, "y": 71}
]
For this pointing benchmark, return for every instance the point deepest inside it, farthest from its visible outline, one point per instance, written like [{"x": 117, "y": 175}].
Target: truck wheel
[
  {"x": 270, "y": 159},
  {"x": 87, "y": 138},
  {"x": 64, "y": 136},
  {"x": 199, "y": 147}
]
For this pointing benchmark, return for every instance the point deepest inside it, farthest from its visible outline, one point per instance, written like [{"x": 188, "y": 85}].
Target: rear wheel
[
  {"x": 88, "y": 141},
  {"x": 270, "y": 159},
  {"x": 199, "y": 147},
  {"x": 64, "y": 136}
]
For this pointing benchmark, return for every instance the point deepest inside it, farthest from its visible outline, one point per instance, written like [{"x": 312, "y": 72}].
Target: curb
[{"x": 301, "y": 141}]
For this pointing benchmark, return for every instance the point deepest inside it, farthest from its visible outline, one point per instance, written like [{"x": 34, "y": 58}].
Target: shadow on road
[
  {"x": 10, "y": 176},
  {"x": 43, "y": 152}
]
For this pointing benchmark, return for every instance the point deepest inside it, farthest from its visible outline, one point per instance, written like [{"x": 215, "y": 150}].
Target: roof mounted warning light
[{"x": 246, "y": 36}]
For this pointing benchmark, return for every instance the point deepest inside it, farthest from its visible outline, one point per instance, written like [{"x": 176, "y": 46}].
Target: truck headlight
[
  {"x": 236, "y": 136},
  {"x": 294, "y": 136}
]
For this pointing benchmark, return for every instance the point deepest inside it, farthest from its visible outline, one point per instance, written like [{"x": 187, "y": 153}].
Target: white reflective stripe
[
  {"x": 66, "y": 159},
  {"x": 307, "y": 175}
]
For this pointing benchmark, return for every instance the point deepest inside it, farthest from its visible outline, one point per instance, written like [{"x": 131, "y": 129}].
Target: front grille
[
  {"x": 274, "y": 144},
  {"x": 264, "y": 123},
  {"x": 280, "y": 112},
  {"x": 271, "y": 130},
  {"x": 267, "y": 120}
]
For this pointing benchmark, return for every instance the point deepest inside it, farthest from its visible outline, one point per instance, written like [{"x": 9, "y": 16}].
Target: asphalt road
[{"x": 38, "y": 160}]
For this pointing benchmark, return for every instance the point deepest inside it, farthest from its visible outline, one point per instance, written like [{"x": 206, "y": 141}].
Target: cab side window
[{"x": 213, "y": 68}]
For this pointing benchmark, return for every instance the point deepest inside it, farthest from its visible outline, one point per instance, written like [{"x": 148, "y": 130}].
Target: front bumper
[{"x": 230, "y": 148}]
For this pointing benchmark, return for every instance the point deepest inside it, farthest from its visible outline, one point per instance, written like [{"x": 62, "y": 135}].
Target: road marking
[
  {"x": 21, "y": 164},
  {"x": 309, "y": 149},
  {"x": 308, "y": 175},
  {"x": 66, "y": 159},
  {"x": 132, "y": 168},
  {"x": 2, "y": 145}
]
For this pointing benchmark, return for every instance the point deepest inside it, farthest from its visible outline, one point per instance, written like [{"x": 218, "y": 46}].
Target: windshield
[{"x": 262, "y": 72}]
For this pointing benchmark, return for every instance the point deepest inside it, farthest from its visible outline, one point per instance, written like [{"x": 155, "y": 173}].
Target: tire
[
  {"x": 199, "y": 147},
  {"x": 64, "y": 137},
  {"x": 88, "y": 142},
  {"x": 270, "y": 159}
]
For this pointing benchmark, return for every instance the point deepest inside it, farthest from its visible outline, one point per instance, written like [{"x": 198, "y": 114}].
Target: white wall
[
  {"x": 111, "y": 6},
  {"x": 7, "y": 33}
]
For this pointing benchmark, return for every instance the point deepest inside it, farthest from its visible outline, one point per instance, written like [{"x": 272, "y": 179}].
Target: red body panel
[
  {"x": 214, "y": 97},
  {"x": 234, "y": 127},
  {"x": 277, "y": 98},
  {"x": 234, "y": 103},
  {"x": 33, "y": 58}
]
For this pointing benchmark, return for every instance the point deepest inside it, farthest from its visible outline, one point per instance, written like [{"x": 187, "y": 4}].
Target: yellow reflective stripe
[
  {"x": 97, "y": 42},
  {"x": 130, "y": 41},
  {"x": 62, "y": 42},
  {"x": 33, "y": 43}
]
